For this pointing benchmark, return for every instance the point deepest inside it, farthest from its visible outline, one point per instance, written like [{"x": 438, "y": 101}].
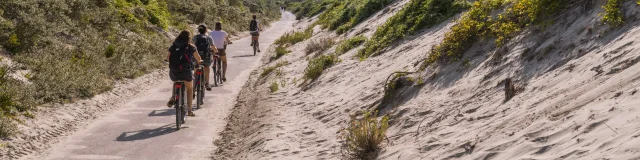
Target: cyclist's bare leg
[
  {"x": 189, "y": 95},
  {"x": 207, "y": 72},
  {"x": 224, "y": 67},
  {"x": 257, "y": 42}
]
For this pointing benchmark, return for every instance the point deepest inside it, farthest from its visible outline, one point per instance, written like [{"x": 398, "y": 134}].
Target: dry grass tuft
[{"x": 364, "y": 137}]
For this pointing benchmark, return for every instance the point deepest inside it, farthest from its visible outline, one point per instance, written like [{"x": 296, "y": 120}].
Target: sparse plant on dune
[
  {"x": 319, "y": 45},
  {"x": 364, "y": 138},
  {"x": 273, "y": 87},
  {"x": 269, "y": 70}
]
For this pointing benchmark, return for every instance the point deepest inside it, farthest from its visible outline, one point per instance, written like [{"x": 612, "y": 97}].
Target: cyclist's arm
[
  {"x": 228, "y": 41},
  {"x": 168, "y": 55},
  {"x": 214, "y": 48},
  {"x": 197, "y": 56}
]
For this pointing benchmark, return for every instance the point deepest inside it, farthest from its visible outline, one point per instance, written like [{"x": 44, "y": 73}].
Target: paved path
[{"x": 145, "y": 127}]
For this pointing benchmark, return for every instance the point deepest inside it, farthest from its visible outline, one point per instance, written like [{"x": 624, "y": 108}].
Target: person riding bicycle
[
  {"x": 254, "y": 30},
  {"x": 221, "y": 39},
  {"x": 205, "y": 46},
  {"x": 180, "y": 57}
]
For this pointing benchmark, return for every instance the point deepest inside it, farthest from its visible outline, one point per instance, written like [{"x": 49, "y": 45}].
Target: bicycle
[
  {"x": 254, "y": 42},
  {"x": 199, "y": 86},
  {"x": 217, "y": 70},
  {"x": 179, "y": 105}
]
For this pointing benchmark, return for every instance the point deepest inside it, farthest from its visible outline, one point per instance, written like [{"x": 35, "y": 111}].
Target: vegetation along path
[{"x": 144, "y": 127}]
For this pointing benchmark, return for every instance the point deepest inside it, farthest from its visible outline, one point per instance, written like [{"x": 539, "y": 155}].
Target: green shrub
[
  {"x": 317, "y": 65},
  {"x": 281, "y": 51},
  {"x": 364, "y": 137},
  {"x": 273, "y": 87},
  {"x": 268, "y": 70},
  {"x": 344, "y": 15},
  {"x": 295, "y": 37},
  {"x": 477, "y": 23},
  {"x": 319, "y": 45},
  {"x": 415, "y": 16},
  {"x": 612, "y": 14},
  {"x": 349, "y": 44}
]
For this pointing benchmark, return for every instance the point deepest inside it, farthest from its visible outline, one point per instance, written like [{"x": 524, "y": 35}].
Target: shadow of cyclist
[
  {"x": 146, "y": 133},
  {"x": 160, "y": 113}
]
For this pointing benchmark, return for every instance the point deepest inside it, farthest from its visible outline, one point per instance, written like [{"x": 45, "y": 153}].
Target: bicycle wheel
[
  {"x": 184, "y": 105},
  {"x": 215, "y": 72},
  {"x": 201, "y": 86},
  {"x": 178, "y": 108},
  {"x": 255, "y": 47},
  {"x": 219, "y": 72}
]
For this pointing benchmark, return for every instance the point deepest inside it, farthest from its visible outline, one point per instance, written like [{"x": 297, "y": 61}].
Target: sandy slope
[{"x": 578, "y": 98}]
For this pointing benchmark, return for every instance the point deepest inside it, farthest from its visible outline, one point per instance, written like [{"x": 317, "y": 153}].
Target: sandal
[
  {"x": 190, "y": 114},
  {"x": 208, "y": 87},
  {"x": 171, "y": 102}
]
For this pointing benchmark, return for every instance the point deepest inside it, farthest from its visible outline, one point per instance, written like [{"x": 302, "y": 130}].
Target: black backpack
[
  {"x": 179, "y": 60},
  {"x": 253, "y": 25},
  {"x": 203, "y": 45}
]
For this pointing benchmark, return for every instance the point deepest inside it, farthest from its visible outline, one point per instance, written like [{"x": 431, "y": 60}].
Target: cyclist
[
  {"x": 205, "y": 45},
  {"x": 221, "y": 39},
  {"x": 254, "y": 28},
  {"x": 180, "y": 57}
]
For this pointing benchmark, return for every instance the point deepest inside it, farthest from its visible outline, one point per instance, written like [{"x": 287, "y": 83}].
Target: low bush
[
  {"x": 349, "y": 44},
  {"x": 318, "y": 65},
  {"x": 414, "y": 17},
  {"x": 319, "y": 45},
  {"x": 364, "y": 137}
]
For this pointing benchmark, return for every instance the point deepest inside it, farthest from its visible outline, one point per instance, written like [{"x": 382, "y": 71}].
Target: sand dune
[{"x": 577, "y": 97}]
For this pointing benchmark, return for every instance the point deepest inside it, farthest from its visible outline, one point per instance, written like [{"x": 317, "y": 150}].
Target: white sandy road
[{"x": 144, "y": 128}]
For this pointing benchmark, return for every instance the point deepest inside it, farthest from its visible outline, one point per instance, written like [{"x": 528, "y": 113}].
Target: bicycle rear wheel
[
  {"x": 215, "y": 72},
  {"x": 201, "y": 87},
  {"x": 178, "y": 108},
  {"x": 255, "y": 47},
  {"x": 184, "y": 106}
]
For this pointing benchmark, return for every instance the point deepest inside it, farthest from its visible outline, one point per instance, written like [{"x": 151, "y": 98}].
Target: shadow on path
[
  {"x": 146, "y": 133},
  {"x": 166, "y": 112},
  {"x": 240, "y": 56}
]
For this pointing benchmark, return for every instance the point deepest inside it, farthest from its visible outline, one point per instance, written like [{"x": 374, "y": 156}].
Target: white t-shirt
[{"x": 219, "y": 37}]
